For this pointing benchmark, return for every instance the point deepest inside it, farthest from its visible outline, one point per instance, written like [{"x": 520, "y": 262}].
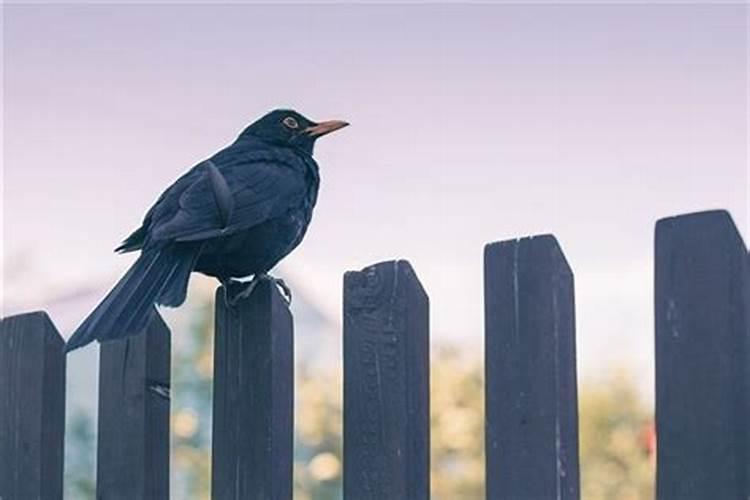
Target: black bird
[{"x": 234, "y": 215}]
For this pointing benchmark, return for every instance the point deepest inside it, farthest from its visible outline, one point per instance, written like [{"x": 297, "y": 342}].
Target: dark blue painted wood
[
  {"x": 386, "y": 384},
  {"x": 702, "y": 358},
  {"x": 530, "y": 371},
  {"x": 253, "y": 397},
  {"x": 32, "y": 407},
  {"x": 134, "y": 401}
]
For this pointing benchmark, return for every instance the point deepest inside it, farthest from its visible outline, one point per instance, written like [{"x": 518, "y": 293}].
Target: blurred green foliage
[
  {"x": 616, "y": 436},
  {"x": 80, "y": 456},
  {"x": 617, "y": 442}
]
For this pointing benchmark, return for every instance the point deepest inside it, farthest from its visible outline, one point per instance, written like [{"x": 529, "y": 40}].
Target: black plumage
[{"x": 234, "y": 215}]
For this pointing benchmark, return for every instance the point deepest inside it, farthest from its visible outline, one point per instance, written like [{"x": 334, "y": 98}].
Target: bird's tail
[{"x": 157, "y": 277}]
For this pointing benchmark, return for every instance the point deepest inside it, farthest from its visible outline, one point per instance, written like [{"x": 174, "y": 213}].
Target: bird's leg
[
  {"x": 232, "y": 299},
  {"x": 286, "y": 292}
]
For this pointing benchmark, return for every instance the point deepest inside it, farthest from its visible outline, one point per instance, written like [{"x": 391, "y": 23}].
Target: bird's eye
[{"x": 290, "y": 122}]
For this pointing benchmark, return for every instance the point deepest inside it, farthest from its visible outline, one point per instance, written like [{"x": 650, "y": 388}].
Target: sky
[{"x": 470, "y": 124}]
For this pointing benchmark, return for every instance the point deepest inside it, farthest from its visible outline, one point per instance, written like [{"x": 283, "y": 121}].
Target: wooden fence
[{"x": 702, "y": 335}]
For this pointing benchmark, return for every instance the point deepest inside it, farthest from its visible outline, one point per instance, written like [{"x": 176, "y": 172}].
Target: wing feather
[{"x": 222, "y": 193}]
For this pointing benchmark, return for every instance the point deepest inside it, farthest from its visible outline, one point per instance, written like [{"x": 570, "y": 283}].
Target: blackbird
[{"x": 233, "y": 215}]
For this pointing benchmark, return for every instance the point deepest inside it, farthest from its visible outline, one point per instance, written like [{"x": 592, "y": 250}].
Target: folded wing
[{"x": 224, "y": 199}]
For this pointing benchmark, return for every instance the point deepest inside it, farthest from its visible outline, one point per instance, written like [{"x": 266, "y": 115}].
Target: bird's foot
[
  {"x": 286, "y": 292},
  {"x": 234, "y": 290}
]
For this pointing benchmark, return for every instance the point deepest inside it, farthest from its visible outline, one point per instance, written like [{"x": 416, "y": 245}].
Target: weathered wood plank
[
  {"x": 530, "y": 371},
  {"x": 386, "y": 384},
  {"x": 32, "y": 407},
  {"x": 134, "y": 401},
  {"x": 702, "y": 358},
  {"x": 253, "y": 397}
]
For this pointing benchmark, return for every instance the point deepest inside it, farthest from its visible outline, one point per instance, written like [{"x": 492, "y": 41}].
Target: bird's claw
[
  {"x": 234, "y": 291},
  {"x": 247, "y": 287},
  {"x": 286, "y": 292}
]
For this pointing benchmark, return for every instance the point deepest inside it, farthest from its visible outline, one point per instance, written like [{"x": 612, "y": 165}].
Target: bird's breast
[{"x": 256, "y": 249}]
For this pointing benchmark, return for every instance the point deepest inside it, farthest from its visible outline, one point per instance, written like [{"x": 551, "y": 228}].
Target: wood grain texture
[
  {"x": 253, "y": 397},
  {"x": 134, "y": 401},
  {"x": 702, "y": 358},
  {"x": 32, "y": 407},
  {"x": 530, "y": 371},
  {"x": 386, "y": 384}
]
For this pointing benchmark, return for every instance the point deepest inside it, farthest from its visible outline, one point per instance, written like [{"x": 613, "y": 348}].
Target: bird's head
[{"x": 286, "y": 127}]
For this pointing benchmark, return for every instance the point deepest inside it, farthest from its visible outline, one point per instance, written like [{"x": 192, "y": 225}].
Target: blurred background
[{"x": 470, "y": 124}]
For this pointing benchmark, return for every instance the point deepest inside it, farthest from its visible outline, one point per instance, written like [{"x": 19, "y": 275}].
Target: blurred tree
[
  {"x": 80, "y": 456},
  {"x": 457, "y": 425},
  {"x": 617, "y": 441},
  {"x": 192, "y": 393}
]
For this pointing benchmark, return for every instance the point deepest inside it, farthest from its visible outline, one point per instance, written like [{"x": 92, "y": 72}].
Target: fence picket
[
  {"x": 32, "y": 407},
  {"x": 134, "y": 401},
  {"x": 253, "y": 397},
  {"x": 702, "y": 358},
  {"x": 386, "y": 384},
  {"x": 530, "y": 371}
]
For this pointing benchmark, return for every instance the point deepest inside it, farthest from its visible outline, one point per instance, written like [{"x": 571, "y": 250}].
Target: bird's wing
[{"x": 233, "y": 196}]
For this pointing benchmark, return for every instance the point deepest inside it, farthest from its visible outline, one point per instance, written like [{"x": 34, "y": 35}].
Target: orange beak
[{"x": 324, "y": 128}]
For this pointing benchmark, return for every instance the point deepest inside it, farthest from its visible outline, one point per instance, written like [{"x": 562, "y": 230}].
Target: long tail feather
[
  {"x": 174, "y": 291},
  {"x": 157, "y": 277}
]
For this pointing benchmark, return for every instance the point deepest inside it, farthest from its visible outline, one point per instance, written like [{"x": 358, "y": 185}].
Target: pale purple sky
[{"x": 470, "y": 123}]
